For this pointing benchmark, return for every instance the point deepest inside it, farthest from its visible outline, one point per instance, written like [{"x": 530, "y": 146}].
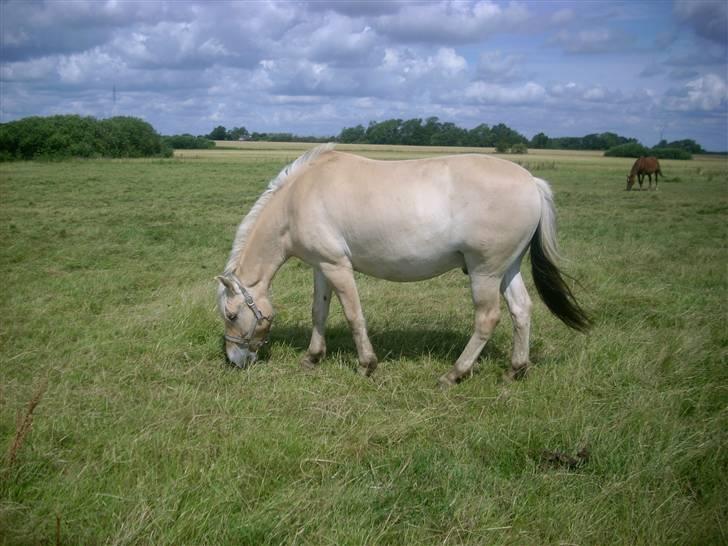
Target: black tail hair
[{"x": 553, "y": 289}]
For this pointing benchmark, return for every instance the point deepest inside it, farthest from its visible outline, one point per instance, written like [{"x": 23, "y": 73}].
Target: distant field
[{"x": 143, "y": 435}]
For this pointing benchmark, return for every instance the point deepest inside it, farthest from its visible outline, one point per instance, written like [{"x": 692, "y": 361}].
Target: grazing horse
[
  {"x": 644, "y": 166},
  {"x": 401, "y": 221}
]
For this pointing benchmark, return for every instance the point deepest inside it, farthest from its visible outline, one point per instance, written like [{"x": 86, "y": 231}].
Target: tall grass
[{"x": 145, "y": 436}]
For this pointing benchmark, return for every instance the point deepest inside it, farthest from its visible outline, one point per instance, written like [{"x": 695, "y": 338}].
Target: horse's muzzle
[{"x": 241, "y": 357}]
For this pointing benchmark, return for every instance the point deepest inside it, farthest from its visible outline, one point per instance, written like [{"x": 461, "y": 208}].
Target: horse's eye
[{"x": 232, "y": 316}]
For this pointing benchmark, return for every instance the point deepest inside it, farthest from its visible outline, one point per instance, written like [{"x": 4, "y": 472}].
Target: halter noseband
[{"x": 259, "y": 316}]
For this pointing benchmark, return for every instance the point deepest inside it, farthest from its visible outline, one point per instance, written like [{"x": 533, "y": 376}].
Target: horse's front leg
[
  {"x": 486, "y": 299},
  {"x": 341, "y": 278},
  {"x": 319, "y": 313}
]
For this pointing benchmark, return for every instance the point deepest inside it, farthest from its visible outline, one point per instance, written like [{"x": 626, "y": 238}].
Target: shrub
[
  {"x": 501, "y": 147},
  {"x": 188, "y": 142},
  {"x": 671, "y": 153},
  {"x": 519, "y": 148},
  {"x": 630, "y": 149},
  {"x": 58, "y": 137}
]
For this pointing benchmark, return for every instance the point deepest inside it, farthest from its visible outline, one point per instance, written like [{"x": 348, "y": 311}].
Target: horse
[
  {"x": 644, "y": 166},
  {"x": 404, "y": 220}
]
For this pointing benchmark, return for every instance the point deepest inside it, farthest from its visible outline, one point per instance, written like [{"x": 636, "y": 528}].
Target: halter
[{"x": 259, "y": 316}]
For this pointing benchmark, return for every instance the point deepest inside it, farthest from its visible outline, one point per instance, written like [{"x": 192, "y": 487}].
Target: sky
[{"x": 644, "y": 69}]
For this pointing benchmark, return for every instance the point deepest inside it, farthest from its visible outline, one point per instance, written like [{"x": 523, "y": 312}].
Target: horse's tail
[{"x": 549, "y": 281}]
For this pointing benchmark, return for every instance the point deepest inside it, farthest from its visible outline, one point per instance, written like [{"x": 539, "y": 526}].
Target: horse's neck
[{"x": 264, "y": 251}]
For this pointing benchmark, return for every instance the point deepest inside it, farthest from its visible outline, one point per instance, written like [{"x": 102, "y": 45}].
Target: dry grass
[{"x": 24, "y": 424}]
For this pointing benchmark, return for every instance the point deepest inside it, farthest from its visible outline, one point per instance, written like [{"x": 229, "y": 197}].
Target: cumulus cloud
[
  {"x": 706, "y": 93},
  {"x": 593, "y": 40},
  {"x": 452, "y": 22},
  {"x": 317, "y": 66},
  {"x": 565, "y": 15},
  {"x": 488, "y": 93},
  {"x": 495, "y": 66},
  {"x": 708, "y": 18}
]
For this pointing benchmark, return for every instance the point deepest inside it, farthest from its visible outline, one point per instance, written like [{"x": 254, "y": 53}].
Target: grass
[{"x": 144, "y": 436}]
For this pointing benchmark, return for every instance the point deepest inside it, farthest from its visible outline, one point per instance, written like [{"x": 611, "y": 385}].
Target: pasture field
[{"x": 141, "y": 434}]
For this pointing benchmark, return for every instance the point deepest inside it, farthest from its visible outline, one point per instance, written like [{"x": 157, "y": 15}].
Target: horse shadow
[{"x": 389, "y": 345}]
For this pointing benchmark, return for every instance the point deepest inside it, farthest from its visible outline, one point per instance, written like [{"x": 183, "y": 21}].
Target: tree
[
  {"x": 218, "y": 133},
  {"x": 352, "y": 135},
  {"x": 385, "y": 132},
  {"x": 480, "y": 136},
  {"x": 540, "y": 141},
  {"x": 237, "y": 133},
  {"x": 412, "y": 133},
  {"x": 449, "y": 135},
  {"x": 687, "y": 144}
]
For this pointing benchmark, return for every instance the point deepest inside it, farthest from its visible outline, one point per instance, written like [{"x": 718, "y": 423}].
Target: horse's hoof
[
  {"x": 514, "y": 374},
  {"x": 364, "y": 371},
  {"x": 446, "y": 382},
  {"x": 310, "y": 362}
]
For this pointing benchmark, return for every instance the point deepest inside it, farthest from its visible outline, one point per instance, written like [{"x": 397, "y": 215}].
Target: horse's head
[
  {"x": 630, "y": 181},
  {"x": 248, "y": 318}
]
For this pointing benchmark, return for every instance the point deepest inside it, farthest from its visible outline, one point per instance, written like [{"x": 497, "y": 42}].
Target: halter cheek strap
[{"x": 259, "y": 316}]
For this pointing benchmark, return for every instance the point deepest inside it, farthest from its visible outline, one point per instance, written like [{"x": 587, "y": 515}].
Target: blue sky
[{"x": 644, "y": 69}]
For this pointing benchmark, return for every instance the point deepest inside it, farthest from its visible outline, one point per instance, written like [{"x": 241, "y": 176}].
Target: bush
[
  {"x": 519, "y": 148},
  {"x": 671, "y": 153},
  {"x": 631, "y": 149},
  {"x": 59, "y": 137},
  {"x": 188, "y": 142},
  {"x": 501, "y": 147}
]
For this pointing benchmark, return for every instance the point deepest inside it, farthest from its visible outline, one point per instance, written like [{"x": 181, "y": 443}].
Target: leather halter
[{"x": 259, "y": 316}]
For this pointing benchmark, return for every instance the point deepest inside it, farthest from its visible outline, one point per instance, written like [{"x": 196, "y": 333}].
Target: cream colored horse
[{"x": 401, "y": 221}]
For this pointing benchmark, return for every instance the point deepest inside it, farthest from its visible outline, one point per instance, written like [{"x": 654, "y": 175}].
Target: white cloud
[
  {"x": 452, "y": 22},
  {"x": 494, "y": 66},
  {"x": 487, "y": 93},
  {"x": 708, "y": 18},
  {"x": 327, "y": 64},
  {"x": 593, "y": 40},
  {"x": 563, "y": 16},
  {"x": 706, "y": 93}
]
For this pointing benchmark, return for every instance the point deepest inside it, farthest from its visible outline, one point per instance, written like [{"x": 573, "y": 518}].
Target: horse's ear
[{"x": 226, "y": 282}]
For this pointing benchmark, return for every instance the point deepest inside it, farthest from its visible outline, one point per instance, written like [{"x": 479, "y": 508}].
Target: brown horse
[{"x": 644, "y": 166}]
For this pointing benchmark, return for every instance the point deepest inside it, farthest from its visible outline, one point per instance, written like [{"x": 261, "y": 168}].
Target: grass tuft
[{"x": 24, "y": 423}]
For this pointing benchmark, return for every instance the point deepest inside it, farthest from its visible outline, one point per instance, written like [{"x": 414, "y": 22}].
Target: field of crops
[{"x": 121, "y": 423}]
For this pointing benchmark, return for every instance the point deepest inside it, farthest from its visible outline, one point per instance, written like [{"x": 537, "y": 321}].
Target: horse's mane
[{"x": 241, "y": 236}]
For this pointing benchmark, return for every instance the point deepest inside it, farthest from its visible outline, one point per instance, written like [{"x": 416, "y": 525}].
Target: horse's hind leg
[
  {"x": 486, "y": 299},
  {"x": 341, "y": 278},
  {"x": 519, "y": 306},
  {"x": 319, "y": 313}
]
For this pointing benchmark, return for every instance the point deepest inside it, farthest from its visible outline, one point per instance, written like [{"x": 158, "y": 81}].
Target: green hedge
[
  {"x": 634, "y": 149},
  {"x": 60, "y": 137},
  {"x": 670, "y": 153},
  {"x": 188, "y": 142},
  {"x": 631, "y": 149}
]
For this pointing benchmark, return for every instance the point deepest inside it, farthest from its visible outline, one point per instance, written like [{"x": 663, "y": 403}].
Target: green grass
[{"x": 145, "y": 436}]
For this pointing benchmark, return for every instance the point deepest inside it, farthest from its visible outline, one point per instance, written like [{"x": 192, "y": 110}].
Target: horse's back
[
  {"x": 406, "y": 220},
  {"x": 646, "y": 165}
]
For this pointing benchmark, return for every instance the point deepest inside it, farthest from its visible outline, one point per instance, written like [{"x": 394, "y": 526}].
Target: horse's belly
[
  {"x": 408, "y": 268},
  {"x": 396, "y": 260}
]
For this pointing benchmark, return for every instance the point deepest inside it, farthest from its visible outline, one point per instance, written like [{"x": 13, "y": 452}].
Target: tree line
[
  {"x": 434, "y": 132},
  {"x": 76, "y": 136},
  {"x": 241, "y": 133}
]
